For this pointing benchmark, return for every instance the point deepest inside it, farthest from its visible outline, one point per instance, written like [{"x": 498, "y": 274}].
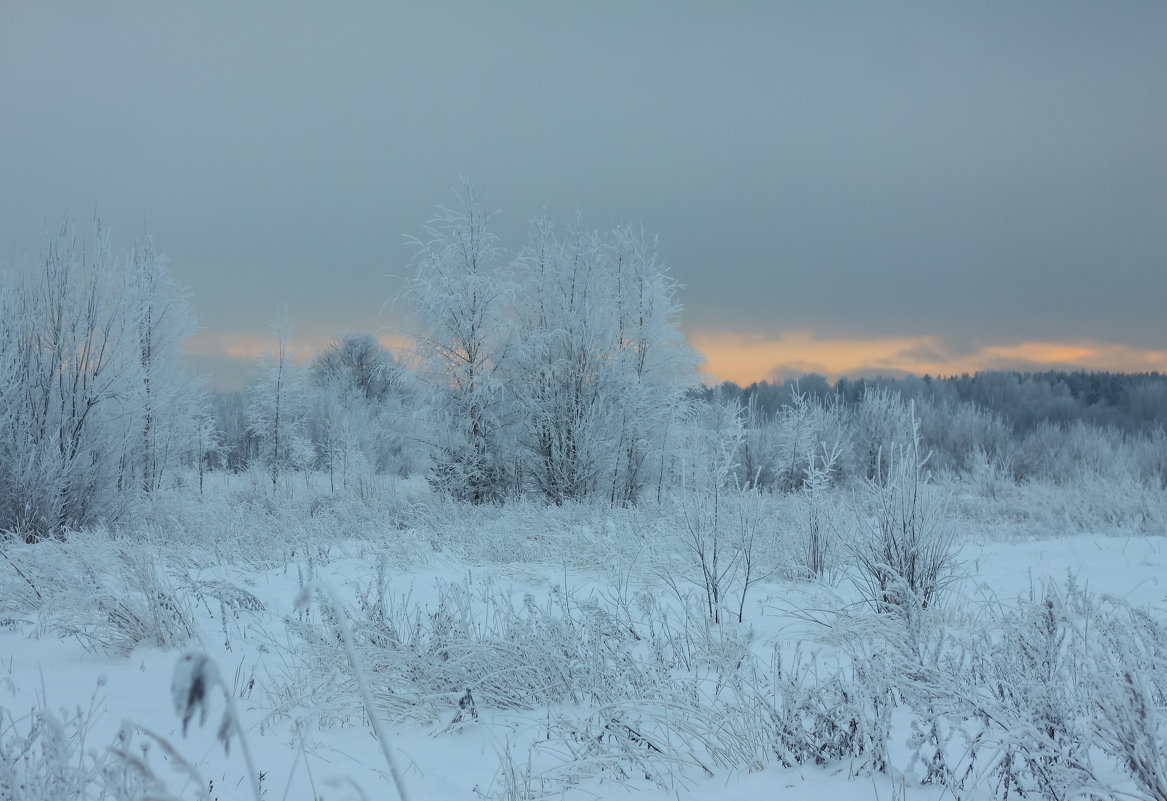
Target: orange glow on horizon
[
  {"x": 745, "y": 359},
  {"x": 252, "y": 347}
]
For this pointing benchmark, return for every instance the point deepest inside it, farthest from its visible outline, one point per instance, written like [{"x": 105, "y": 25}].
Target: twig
[{"x": 21, "y": 574}]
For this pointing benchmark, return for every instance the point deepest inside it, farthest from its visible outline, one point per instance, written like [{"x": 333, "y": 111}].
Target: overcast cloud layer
[{"x": 959, "y": 182}]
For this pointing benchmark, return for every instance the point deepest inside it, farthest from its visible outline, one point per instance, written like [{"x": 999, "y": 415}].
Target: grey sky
[{"x": 982, "y": 174}]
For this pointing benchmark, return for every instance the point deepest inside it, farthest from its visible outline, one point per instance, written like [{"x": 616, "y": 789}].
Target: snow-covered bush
[
  {"x": 906, "y": 549},
  {"x": 720, "y": 527},
  {"x": 1130, "y": 727},
  {"x": 958, "y": 434},
  {"x": 815, "y": 513},
  {"x": 112, "y": 596},
  {"x": 881, "y": 423},
  {"x": 478, "y": 641},
  {"x": 1017, "y": 706}
]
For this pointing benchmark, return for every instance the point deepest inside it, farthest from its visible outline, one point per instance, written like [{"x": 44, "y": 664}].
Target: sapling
[{"x": 820, "y": 471}]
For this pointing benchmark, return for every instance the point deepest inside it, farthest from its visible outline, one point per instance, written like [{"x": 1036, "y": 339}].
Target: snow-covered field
[{"x": 524, "y": 651}]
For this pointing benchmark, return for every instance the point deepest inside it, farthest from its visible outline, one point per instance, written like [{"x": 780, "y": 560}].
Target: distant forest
[{"x": 1129, "y": 402}]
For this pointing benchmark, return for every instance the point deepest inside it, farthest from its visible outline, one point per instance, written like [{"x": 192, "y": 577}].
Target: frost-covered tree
[
  {"x": 277, "y": 404},
  {"x": 656, "y": 365},
  {"x": 568, "y": 369},
  {"x": 560, "y": 372},
  {"x": 171, "y": 407},
  {"x": 602, "y": 366},
  {"x": 357, "y": 367},
  {"x": 61, "y": 450},
  {"x": 94, "y": 404},
  {"x": 361, "y": 418},
  {"x": 235, "y": 442},
  {"x": 461, "y": 341}
]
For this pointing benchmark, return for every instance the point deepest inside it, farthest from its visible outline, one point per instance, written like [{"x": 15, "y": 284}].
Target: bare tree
[{"x": 277, "y": 403}]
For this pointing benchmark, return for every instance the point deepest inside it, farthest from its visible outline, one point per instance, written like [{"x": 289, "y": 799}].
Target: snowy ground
[{"x": 496, "y": 586}]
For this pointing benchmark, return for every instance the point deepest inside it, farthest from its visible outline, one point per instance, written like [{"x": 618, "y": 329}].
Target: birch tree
[
  {"x": 566, "y": 362},
  {"x": 656, "y": 364},
  {"x": 94, "y": 406},
  {"x": 560, "y": 373},
  {"x": 460, "y": 342},
  {"x": 603, "y": 366},
  {"x": 277, "y": 404},
  {"x": 171, "y": 402}
]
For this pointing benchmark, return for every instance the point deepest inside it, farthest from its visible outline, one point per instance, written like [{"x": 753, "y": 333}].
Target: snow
[{"x": 307, "y": 741}]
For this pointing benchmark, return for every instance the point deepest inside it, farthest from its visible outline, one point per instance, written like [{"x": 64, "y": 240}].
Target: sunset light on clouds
[{"x": 745, "y": 359}]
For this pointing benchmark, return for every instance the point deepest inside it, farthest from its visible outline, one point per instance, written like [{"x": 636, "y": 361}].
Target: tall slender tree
[
  {"x": 461, "y": 342},
  {"x": 277, "y": 404},
  {"x": 171, "y": 401}
]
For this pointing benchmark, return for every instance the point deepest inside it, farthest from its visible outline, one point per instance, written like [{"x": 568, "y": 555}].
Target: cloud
[
  {"x": 244, "y": 346},
  {"x": 795, "y": 370},
  {"x": 926, "y": 352},
  {"x": 747, "y": 358}
]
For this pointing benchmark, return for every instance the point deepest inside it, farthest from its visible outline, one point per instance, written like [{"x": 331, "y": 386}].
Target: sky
[{"x": 842, "y": 188}]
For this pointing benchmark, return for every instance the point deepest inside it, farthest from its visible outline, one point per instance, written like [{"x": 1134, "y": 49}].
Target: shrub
[{"x": 907, "y": 555}]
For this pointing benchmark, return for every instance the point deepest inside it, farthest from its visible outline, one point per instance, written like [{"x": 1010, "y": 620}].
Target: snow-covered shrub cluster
[
  {"x": 95, "y": 411},
  {"x": 1038, "y": 702},
  {"x": 640, "y": 686},
  {"x": 907, "y": 554}
]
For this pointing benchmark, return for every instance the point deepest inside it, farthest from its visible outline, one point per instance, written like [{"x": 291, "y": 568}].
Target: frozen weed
[
  {"x": 906, "y": 554},
  {"x": 45, "y": 754}
]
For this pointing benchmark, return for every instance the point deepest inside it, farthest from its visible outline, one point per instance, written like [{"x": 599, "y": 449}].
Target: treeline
[
  {"x": 1127, "y": 401},
  {"x": 1038, "y": 426},
  {"x": 558, "y": 372}
]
